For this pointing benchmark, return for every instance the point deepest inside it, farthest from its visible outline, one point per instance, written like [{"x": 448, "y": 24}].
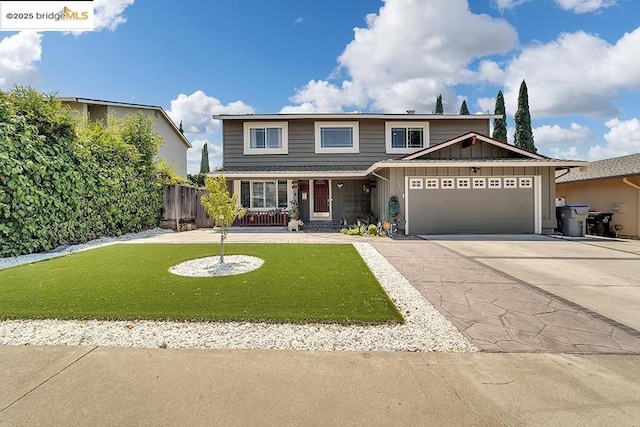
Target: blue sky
[{"x": 579, "y": 57}]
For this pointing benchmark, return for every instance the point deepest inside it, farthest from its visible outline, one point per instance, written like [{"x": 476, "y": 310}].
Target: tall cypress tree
[
  {"x": 439, "y": 108},
  {"x": 524, "y": 133},
  {"x": 463, "y": 108},
  {"x": 204, "y": 160},
  {"x": 500, "y": 125}
]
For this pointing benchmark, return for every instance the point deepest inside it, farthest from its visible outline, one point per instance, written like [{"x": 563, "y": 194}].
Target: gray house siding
[
  {"x": 478, "y": 150},
  {"x": 445, "y": 130},
  {"x": 302, "y": 143}
]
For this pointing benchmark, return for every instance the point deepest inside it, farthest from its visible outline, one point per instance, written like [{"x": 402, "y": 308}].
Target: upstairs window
[
  {"x": 337, "y": 137},
  {"x": 266, "y": 138},
  {"x": 406, "y": 137}
]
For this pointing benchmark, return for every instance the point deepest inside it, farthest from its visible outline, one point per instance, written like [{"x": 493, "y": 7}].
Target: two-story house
[
  {"x": 447, "y": 176},
  {"x": 175, "y": 146}
]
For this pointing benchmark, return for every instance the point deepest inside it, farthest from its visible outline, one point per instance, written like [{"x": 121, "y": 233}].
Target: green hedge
[{"x": 67, "y": 182}]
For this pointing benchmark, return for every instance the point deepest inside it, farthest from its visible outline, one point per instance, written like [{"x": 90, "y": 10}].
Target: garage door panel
[{"x": 450, "y": 211}]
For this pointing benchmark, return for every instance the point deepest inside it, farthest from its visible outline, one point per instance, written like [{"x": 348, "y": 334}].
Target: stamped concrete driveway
[{"x": 600, "y": 275}]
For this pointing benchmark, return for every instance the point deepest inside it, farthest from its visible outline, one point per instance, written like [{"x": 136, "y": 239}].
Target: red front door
[{"x": 321, "y": 198}]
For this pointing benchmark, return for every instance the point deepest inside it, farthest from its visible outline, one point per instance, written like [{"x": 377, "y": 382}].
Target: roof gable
[{"x": 470, "y": 140}]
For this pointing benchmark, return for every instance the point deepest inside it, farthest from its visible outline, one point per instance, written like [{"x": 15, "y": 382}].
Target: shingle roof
[
  {"x": 525, "y": 161},
  {"x": 608, "y": 168},
  {"x": 302, "y": 168}
]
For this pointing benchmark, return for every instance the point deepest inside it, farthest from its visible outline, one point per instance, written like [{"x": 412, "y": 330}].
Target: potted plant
[{"x": 294, "y": 213}]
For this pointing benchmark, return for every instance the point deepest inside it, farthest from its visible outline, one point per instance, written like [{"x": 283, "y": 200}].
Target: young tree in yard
[
  {"x": 221, "y": 206},
  {"x": 500, "y": 125},
  {"x": 524, "y": 134},
  {"x": 463, "y": 109},
  {"x": 439, "y": 107},
  {"x": 204, "y": 160}
]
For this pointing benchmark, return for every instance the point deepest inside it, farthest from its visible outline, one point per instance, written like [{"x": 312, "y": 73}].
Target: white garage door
[{"x": 455, "y": 205}]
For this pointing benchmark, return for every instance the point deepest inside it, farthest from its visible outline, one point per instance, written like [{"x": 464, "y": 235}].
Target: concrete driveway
[{"x": 600, "y": 275}]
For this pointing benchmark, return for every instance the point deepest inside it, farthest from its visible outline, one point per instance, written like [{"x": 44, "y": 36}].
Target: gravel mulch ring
[
  {"x": 211, "y": 266},
  {"x": 425, "y": 329}
]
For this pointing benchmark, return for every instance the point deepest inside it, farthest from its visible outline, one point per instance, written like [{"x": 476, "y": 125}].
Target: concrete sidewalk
[{"x": 87, "y": 386}]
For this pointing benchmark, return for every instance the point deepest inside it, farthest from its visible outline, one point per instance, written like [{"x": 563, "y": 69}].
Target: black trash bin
[{"x": 599, "y": 224}]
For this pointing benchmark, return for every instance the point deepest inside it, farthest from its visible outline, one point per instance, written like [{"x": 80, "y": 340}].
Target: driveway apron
[{"x": 498, "y": 312}]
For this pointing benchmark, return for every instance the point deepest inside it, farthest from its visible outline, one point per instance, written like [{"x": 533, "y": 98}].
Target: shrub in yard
[{"x": 63, "y": 181}]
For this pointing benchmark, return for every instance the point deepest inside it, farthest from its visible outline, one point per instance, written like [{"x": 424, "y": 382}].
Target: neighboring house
[
  {"x": 174, "y": 149},
  {"x": 447, "y": 175},
  {"x": 611, "y": 185}
]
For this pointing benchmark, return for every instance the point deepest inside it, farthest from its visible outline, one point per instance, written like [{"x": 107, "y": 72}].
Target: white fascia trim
[
  {"x": 405, "y": 124},
  {"x": 356, "y": 116},
  {"x": 537, "y": 189},
  {"x": 248, "y": 151},
  {"x": 480, "y": 137},
  {"x": 354, "y": 149},
  {"x": 405, "y": 196}
]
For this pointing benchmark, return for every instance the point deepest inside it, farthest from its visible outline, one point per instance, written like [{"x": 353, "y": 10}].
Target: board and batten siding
[{"x": 302, "y": 143}]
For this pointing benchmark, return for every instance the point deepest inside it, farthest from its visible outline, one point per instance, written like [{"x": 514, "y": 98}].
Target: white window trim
[
  {"x": 389, "y": 125},
  {"x": 356, "y": 137},
  {"x": 262, "y": 151}
]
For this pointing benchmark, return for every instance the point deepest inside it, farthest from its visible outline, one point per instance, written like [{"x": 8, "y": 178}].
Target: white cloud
[
  {"x": 324, "y": 97},
  {"x": 487, "y": 105},
  {"x": 19, "y": 54},
  {"x": 299, "y": 20},
  {"x": 109, "y": 13},
  {"x": 507, "y": 4},
  {"x": 577, "y": 73},
  {"x": 555, "y": 135},
  {"x": 410, "y": 52},
  {"x": 490, "y": 71},
  {"x": 562, "y": 143},
  {"x": 584, "y": 6},
  {"x": 571, "y": 153},
  {"x": 195, "y": 111},
  {"x": 622, "y": 138}
]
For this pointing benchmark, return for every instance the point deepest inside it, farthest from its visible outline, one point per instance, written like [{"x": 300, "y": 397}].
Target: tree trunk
[{"x": 222, "y": 247}]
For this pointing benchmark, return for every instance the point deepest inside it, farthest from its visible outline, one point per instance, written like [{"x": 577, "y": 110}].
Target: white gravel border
[
  {"x": 69, "y": 249},
  {"x": 210, "y": 266},
  {"x": 425, "y": 329}
]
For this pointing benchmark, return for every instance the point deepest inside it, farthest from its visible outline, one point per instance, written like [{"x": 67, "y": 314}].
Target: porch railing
[{"x": 263, "y": 219}]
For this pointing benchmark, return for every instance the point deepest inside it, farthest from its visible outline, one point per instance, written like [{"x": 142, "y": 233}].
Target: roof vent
[{"x": 411, "y": 111}]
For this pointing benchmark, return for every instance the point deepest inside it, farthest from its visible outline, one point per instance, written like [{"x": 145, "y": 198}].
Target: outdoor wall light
[
  {"x": 340, "y": 185},
  {"x": 475, "y": 169}
]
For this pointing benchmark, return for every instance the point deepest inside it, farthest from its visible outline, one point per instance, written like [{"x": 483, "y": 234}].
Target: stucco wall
[{"x": 601, "y": 195}]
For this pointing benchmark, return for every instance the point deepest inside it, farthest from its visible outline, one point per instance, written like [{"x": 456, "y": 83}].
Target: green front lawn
[{"x": 297, "y": 283}]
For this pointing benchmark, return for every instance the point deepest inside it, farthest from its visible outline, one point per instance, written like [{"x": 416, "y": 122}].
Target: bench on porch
[{"x": 274, "y": 217}]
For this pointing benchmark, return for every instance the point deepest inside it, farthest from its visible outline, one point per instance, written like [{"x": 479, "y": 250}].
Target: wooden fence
[{"x": 182, "y": 208}]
